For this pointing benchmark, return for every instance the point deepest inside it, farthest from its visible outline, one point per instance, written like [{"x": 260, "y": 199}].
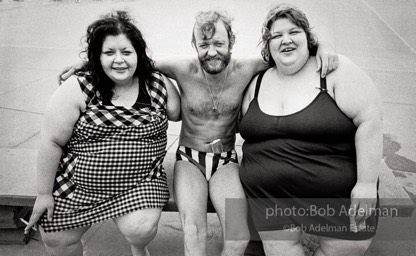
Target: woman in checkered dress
[{"x": 103, "y": 143}]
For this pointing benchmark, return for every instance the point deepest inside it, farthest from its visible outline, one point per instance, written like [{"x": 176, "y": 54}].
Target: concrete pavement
[{"x": 40, "y": 37}]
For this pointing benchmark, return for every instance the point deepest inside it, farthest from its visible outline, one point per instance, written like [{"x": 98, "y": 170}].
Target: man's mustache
[{"x": 213, "y": 58}]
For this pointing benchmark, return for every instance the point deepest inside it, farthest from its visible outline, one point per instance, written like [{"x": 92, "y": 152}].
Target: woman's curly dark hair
[
  {"x": 113, "y": 24},
  {"x": 294, "y": 15}
]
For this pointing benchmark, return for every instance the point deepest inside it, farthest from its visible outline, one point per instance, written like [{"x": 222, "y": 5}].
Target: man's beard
[{"x": 224, "y": 59}]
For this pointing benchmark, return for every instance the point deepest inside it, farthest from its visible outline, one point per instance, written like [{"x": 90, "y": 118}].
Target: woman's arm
[
  {"x": 174, "y": 101},
  {"x": 61, "y": 114},
  {"x": 359, "y": 99}
]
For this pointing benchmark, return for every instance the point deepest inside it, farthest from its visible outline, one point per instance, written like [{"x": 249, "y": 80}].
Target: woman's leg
[
  {"x": 64, "y": 243},
  {"x": 282, "y": 242},
  {"x": 139, "y": 228},
  {"x": 331, "y": 246}
]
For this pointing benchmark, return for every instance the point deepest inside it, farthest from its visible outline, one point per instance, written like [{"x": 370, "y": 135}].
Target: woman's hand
[
  {"x": 363, "y": 204},
  {"x": 44, "y": 202},
  {"x": 326, "y": 58}
]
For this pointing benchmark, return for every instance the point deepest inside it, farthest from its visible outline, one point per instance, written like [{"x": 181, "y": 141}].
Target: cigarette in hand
[{"x": 25, "y": 222}]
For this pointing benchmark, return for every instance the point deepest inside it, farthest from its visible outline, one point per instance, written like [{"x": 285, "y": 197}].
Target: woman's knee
[
  {"x": 140, "y": 226},
  {"x": 281, "y": 242},
  {"x": 63, "y": 240},
  {"x": 348, "y": 247},
  {"x": 288, "y": 247},
  {"x": 143, "y": 232},
  {"x": 53, "y": 240}
]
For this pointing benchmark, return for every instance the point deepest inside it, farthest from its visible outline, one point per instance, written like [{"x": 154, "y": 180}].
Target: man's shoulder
[
  {"x": 244, "y": 68},
  {"x": 246, "y": 64},
  {"x": 187, "y": 66}
]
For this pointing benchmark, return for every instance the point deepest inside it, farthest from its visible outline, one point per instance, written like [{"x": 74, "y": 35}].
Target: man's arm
[
  {"x": 326, "y": 59},
  {"x": 68, "y": 71},
  {"x": 170, "y": 67},
  {"x": 173, "y": 67}
]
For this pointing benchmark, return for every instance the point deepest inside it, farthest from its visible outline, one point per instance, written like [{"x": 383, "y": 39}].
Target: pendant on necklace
[{"x": 214, "y": 109}]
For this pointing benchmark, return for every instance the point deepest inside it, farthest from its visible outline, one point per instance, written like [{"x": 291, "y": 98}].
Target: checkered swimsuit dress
[{"x": 112, "y": 164}]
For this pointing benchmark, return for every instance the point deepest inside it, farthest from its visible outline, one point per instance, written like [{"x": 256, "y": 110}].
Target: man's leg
[
  {"x": 191, "y": 196},
  {"x": 139, "y": 228},
  {"x": 225, "y": 183}
]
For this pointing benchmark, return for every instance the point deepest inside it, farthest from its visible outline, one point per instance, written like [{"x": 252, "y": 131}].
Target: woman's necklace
[{"x": 215, "y": 103}]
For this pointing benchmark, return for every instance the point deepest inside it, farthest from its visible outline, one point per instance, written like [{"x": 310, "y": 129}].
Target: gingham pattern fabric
[{"x": 112, "y": 164}]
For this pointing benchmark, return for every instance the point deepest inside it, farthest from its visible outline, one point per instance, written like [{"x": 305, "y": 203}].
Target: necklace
[{"x": 215, "y": 103}]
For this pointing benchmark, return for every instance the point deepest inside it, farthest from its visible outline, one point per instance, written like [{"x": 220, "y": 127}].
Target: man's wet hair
[{"x": 206, "y": 22}]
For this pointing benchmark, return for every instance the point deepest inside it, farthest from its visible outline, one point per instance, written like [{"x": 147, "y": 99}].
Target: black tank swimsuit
[{"x": 308, "y": 154}]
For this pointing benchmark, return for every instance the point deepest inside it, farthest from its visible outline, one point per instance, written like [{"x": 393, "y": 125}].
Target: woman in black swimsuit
[{"x": 312, "y": 145}]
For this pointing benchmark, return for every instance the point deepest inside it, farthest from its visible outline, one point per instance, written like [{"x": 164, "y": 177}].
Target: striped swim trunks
[{"x": 208, "y": 163}]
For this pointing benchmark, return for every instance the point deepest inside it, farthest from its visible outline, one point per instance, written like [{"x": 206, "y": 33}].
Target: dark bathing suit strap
[
  {"x": 323, "y": 85},
  {"x": 143, "y": 99},
  {"x": 261, "y": 74}
]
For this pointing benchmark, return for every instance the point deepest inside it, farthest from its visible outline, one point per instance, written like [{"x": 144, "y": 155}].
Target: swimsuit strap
[
  {"x": 323, "y": 85},
  {"x": 143, "y": 99},
  {"x": 261, "y": 74}
]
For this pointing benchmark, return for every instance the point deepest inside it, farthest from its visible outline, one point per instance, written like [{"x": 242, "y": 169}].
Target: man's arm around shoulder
[
  {"x": 174, "y": 67},
  {"x": 252, "y": 65}
]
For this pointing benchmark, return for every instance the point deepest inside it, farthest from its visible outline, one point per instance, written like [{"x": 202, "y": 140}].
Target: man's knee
[
  {"x": 241, "y": 233},
  {"x": 236, "y": 245},
  {"x": 194, "y": 230}
]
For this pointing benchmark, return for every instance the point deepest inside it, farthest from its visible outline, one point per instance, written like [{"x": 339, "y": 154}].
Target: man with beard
[{"x": 212, "y": 88}]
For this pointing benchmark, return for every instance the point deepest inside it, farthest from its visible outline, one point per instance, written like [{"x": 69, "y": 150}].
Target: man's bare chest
[{"x": 201, "y": 99}]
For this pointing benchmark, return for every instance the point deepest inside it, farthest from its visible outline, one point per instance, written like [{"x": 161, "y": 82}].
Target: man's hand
[
  {"x": 68, "y": 71},
  {"x": 326, "y": 58},
  {"x": 65, "y": 73}
]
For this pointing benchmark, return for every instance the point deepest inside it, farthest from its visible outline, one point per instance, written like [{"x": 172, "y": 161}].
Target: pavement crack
[{"x": 173, "y": 227}]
